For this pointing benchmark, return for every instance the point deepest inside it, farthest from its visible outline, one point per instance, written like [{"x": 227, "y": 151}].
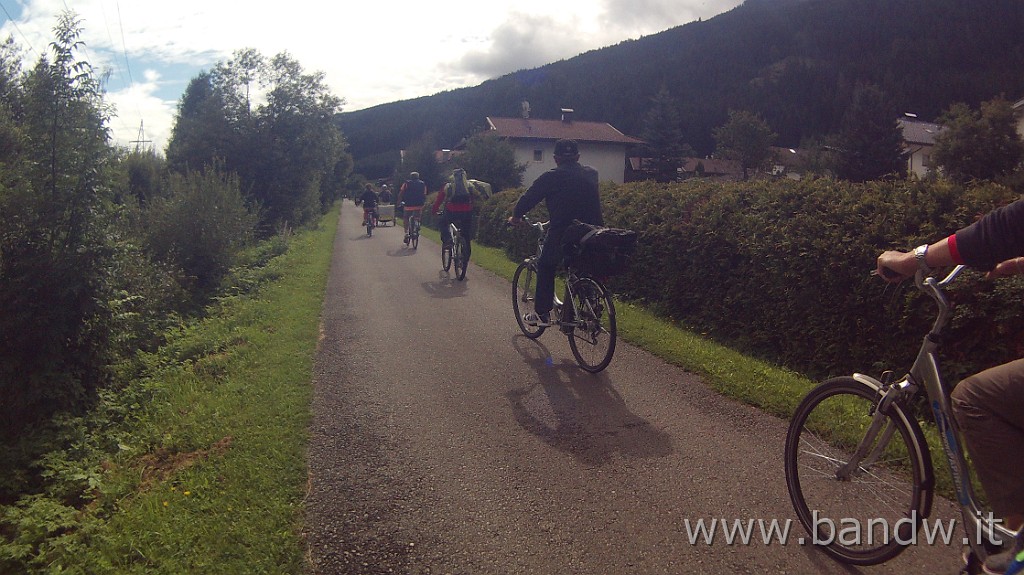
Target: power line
[
  {"x": 124, "y": 46},
  {"x": 15, "y": 24}
]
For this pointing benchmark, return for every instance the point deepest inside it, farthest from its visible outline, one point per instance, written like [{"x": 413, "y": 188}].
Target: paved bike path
[{"x": 443, "y": 441}]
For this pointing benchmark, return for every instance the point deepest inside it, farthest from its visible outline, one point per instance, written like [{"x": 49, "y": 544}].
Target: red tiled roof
[{"x": 534, "y": 129}]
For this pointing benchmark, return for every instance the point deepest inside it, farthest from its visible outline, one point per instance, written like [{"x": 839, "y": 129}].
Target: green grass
[{"x": 212, "y": 478}]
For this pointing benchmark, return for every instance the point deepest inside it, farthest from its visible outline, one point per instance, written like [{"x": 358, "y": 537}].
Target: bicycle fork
[{"x": 878, "y": 435}]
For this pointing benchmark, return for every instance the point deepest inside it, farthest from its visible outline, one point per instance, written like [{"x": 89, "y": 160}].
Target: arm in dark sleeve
[
  {"x": 531, "y": 197},
  {"x": 996, "y": 237}
]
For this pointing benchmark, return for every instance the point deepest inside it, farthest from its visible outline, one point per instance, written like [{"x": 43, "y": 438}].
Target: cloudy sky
[{"x": 371, "y": 51}]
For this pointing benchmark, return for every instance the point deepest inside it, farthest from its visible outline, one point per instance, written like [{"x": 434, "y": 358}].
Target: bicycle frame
[
  {"x": 925, "y": 374},
  {"x": 570, "y": 278}
]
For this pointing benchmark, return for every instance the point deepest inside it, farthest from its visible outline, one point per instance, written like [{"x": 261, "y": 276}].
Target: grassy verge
[
  {"x": 222, "y": 491},
  {"x": 208, "y": 467}
]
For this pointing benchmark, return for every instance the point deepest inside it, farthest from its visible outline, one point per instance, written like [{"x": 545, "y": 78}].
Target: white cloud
[{"x": 372, "y": 52}]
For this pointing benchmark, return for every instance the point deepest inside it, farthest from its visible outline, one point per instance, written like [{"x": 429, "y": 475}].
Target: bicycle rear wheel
[
  {"x": 414, "y": 241},
  {"x": 868, "y": 514},
  {"x": 459, "y": 257},
  {"x": 524, "y": 288},
  {"x": 594, "y": 333},
  {"x": 446, "y": 258}
]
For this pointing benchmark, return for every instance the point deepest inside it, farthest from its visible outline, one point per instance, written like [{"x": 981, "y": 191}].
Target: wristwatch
[{"x": 920, "y": 252}]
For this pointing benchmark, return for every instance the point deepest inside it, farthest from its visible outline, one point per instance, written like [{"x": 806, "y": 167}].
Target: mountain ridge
[{"x": 795, "y": 63}]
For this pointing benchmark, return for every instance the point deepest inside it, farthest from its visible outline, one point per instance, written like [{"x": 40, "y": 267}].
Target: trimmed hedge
[{"x": 780, "y": 269}]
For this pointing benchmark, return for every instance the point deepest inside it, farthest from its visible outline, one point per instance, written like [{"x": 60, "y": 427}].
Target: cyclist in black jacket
[
  {"x": 368, "y": 199},
  {"x": 411, "y": 197},
  {"x": 570, "y": 192}
]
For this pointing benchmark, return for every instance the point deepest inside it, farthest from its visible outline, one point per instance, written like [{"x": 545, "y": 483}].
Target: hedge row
[{"x": 780, "y": 269}]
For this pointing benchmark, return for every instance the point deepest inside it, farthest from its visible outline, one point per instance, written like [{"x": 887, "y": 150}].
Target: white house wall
[{"x": 608, "y": 159}]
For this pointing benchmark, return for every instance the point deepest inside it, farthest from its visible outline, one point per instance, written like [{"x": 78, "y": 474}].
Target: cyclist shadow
[
  {"x": 401, "y": 252},
  {"x": 446, "y": 286},
  {"x": 580, "y": 413}
]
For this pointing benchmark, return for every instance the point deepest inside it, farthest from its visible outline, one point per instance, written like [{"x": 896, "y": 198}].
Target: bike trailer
[
  {"x": 386, "y": 213},
  {"x": 596, "y": 250}
]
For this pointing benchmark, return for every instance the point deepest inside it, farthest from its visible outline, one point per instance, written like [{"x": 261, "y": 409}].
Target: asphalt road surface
[{"x": 443, "y": 441}]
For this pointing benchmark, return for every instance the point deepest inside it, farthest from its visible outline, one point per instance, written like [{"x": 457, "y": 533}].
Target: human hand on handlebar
[{"x": 896, "y": 266}]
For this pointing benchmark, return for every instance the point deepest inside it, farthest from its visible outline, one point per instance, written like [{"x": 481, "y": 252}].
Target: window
[{"x": 538, "y": 155}]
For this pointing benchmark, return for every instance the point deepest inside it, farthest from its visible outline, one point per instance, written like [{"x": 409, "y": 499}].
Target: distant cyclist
[
  {"x": 570, "y": 192},
  {"x": 457, "y": 198},
  {"x": 368, "y": 199},
  {"x": 412, "y": 196}
]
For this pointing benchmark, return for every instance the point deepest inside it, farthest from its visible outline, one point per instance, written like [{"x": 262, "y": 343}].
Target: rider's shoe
[
  {"x": 406, "y": 240},
  {"x": 535, "y": 320}
]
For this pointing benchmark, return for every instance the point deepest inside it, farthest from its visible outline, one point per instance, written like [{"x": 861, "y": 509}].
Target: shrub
[{"x": 199, "y": 226}]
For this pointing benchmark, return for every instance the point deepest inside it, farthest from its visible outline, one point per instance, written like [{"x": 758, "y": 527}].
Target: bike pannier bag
[{"x": 596, "y": 250}]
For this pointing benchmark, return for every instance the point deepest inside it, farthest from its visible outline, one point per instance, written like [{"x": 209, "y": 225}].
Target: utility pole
[{"x": 140, "y": 139}]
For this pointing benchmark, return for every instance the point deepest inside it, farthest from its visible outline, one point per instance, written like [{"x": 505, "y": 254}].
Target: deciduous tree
[
  {"x": 978, "y": 145},
  {"x": 493, "y": 160},
  {"x": 745, "y": 137}
]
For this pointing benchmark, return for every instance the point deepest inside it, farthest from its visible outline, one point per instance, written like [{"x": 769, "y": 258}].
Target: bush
[
  {"x": 199, "y": 226},
  {"x": 779, "y": 269}
]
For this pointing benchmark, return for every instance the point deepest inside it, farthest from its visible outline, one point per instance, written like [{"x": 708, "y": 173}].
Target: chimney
[{"x": 566, "y": 115}]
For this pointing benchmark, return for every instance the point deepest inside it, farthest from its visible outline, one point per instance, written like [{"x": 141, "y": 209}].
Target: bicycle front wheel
[
  {"x": 524, "y": 289},
  {"x": 593, "y": 335},
  {"x": 861, "y": 514},
  {"x": 459, "y": 258}
]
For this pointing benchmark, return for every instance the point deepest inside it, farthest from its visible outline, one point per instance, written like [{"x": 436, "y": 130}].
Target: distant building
[
  {"x": 789, "y": 163},
  {"x": 918, "y": 144},
  {"x": 601, "y": 146},
  {"x": 1018, "y": 110}
]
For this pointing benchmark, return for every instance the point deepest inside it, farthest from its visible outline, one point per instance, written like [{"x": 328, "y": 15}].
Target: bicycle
[
  {"x": 586, "y": 317},
  {"x": 856, "y": 455},
  {"x": 455, "y": 252},
  {"x": 369, "y": 220},
  {"x": 412, "y": 235}
]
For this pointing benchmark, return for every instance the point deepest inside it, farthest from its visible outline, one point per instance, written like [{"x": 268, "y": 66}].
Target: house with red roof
[{"x": 601, "y": 145}]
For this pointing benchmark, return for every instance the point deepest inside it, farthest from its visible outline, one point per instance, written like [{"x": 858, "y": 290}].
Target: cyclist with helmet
[
  {"x": 570, "y": 191},
  {"x": 411, "y": 197}
]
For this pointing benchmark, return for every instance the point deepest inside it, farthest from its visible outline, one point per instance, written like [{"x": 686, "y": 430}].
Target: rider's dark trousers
[
  {"x": 547, "y": 266},
  {"x": 463, "y": 221},
  {"x": 989, "y": 408}
]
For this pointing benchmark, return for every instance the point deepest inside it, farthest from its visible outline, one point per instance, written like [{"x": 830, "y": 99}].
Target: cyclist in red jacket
[{"x": 457, "y": 198}]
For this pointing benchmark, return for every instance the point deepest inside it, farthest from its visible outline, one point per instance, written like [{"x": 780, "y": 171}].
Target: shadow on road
[
  {"x": 445, "y": 287},
  {"x": 401, "y": 252},
  {"x": 580, "y": 413}
]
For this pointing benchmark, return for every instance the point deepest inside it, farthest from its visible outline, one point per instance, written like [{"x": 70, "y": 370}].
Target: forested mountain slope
[{"x": 794, "y": 62}]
